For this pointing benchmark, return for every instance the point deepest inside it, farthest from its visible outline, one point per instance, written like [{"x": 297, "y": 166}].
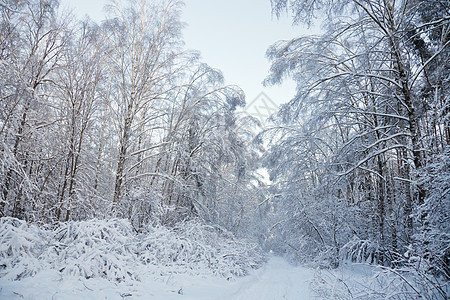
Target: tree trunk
[{"x": 122, "y": 156}]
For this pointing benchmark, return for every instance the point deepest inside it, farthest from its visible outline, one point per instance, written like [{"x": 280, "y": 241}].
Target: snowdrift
[{"x": 111, "y": 249}]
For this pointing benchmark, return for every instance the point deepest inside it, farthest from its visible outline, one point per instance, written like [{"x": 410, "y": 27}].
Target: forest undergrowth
[{"x": 111, "y": 249}]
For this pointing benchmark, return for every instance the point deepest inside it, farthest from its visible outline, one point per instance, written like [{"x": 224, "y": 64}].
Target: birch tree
[
  {"x": 144, "y": 42},
  {"x": 79, "y": 100}
]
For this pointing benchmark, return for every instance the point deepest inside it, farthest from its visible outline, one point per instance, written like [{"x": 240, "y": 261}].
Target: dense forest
[
  {"x": 360, "y": 156},
  {"x": 119, "y": 120}
]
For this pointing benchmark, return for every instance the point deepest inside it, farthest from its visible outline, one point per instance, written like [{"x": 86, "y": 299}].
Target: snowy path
[{"x": 275, "y": 280}]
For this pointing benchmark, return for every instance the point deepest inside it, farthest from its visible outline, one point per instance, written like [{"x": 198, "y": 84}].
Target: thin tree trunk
[{"x": 122, "y": 156}]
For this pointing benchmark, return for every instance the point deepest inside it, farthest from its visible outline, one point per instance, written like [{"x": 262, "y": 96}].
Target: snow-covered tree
[
  {"x": 144, "y": 41},
  {"x": 33, "y": 39},
  {"x": 352, "y": 139},
  {"x": 117, "y": 119},
  {"x": 78, "y": 102}
]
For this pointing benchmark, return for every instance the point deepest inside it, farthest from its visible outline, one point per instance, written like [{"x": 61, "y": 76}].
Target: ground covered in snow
[
  {"x": 275, "y": 280},
  {"x": 108, "y": 259}
]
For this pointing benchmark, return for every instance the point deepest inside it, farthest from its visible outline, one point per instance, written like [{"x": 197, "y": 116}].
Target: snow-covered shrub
[
  {"x": 21, "y": 246},
  {"x": 141, "y": 205},
  {"x": 195, "y": 247},
  {"x": 233, "y": 257},
  {"x": 358, "y": 250},
  {"x": 112, "y": 249},
  {"x": 433, "y": 238},
  {"x": 359, "y": 281},
  {"x": 96, "y": 248},
  {"x": 301, "y": 234}
]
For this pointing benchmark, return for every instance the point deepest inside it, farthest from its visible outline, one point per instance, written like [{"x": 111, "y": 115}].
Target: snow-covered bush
[
  {"x": 358, "y": 250},
  {"x": 21, "y": 246},
  {"x": 112, "y": 249},
  {"x": 363, "y": 281},
  {"x": 195, "y": 247},
  {"x": 95, "y": 248},
  {"x": 433, "y": 238}
]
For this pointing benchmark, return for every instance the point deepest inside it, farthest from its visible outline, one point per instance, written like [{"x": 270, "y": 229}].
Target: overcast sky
[{"x": 232, "y": 35}]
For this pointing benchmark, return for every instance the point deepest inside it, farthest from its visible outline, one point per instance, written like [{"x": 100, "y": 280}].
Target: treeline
[
  {"x": 116, "y": 120},
  {"x": 360, "y": 156}
]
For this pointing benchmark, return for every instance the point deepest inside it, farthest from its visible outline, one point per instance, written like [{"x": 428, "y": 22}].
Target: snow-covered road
[{"x": 277, "y": 279}]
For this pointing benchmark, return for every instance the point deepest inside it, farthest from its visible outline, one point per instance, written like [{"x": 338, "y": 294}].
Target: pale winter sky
[{"x": 232, "y": 36}]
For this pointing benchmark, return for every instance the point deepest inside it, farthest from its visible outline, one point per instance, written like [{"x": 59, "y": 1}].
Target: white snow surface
[
  {"x": 106, "y": 259},
  {"x": 276, "y": 279}
]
